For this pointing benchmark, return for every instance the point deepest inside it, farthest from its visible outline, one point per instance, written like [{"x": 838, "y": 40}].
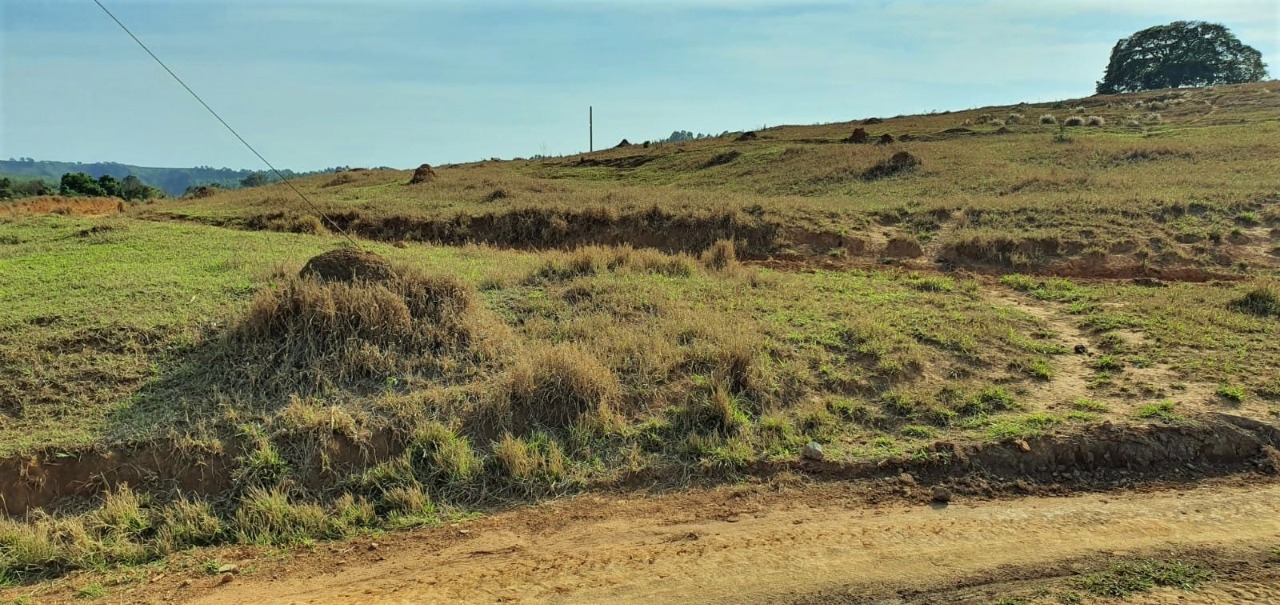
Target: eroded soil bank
[{"x": 1218, "y": 444}]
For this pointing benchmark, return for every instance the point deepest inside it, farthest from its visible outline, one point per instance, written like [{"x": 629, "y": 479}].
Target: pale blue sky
[{"x": 319, "y": 83}]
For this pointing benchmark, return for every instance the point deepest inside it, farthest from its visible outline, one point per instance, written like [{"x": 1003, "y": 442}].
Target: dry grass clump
[
  {"x": 1048, "y": 118},
  {"x": 1152, "y": 118},
  {"x": 288, "y": 222},
  {"x": 1073, "y": 121},
  {"x": 721, "y": 256},
  {"x": 595, "y": 260},
  {"x": 309, "y": 336},
  {"x": 556, "y": 387},
  {"x": 1096, "y": 121},
  {"x": 53, "y": 204},
  {"x": 1014, "y": 118},
  {"x": 530, "y": 462}
]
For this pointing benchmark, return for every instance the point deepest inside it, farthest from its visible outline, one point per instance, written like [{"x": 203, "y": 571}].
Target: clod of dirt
[
  {"x": 624, "y": 143},
  {"x": 95, "y": 230},
  {"x": 226, "y": 579},
  {"x": 348, "y": 265},
  {"x": 1081, "y": 350},
  {"x": 1023, "y": 446},
  {"x": 749, "y": 135},
  {"x": 906, "y": 479},
  {"x": 941, "y": 495},
  {"x": 885, "y": 139},
  {"x": 812, "y": 451},
  {"x": 859, "y": 136},
  {"x": 903, "y": 247},
  {"x": 423, "y": 174}
]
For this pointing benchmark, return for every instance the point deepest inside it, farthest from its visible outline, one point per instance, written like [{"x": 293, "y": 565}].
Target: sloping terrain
[{"x": 670, "y": 315}]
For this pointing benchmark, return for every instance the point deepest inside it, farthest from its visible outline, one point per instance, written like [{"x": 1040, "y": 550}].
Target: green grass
[
  {"x": 1125, "y": 579},
  {"x": 1164, "y": 410},
  {"x": 91, "y": 591},
  {"x": 1231, "y": 393},
  {"x": 539, "y": 367}
]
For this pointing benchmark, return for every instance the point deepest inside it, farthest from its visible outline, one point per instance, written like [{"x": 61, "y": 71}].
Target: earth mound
[
  {"x": 348, "y": 265},
  {"x": 423, "y": 174},
  {"x": 859, "y": 136}
]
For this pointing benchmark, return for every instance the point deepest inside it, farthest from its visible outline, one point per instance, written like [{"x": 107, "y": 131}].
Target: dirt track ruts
[{"x": 729, "y": 546}]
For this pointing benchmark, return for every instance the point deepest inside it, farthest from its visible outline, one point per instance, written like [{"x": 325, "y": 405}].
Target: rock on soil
[
  {"x": 941, "y": 495},
  {"x": 348, "y": 265},
  {"x": 812, "y": 451}
]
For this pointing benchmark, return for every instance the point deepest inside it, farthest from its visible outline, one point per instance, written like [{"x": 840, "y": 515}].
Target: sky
[{"x": 319, "y": 83}]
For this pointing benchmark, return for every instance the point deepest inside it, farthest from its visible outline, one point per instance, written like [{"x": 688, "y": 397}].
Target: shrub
[
  {"x": 1014, "y": 118},
  {"x": 1095, "y": 121},
  {"x": 1048, "y": 118},
  {"x": 1073, "y": 121},
  {"x": 1151, "y": 118}
]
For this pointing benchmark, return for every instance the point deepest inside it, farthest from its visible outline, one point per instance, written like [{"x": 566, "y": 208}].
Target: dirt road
[{"x": 756, "y": 545}]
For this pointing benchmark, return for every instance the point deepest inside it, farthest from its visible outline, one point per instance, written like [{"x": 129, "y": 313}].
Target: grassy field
[{"x": 675, "y": 311}]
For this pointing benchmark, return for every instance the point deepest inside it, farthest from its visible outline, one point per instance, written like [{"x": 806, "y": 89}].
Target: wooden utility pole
[{"x": 591, "y": 129}]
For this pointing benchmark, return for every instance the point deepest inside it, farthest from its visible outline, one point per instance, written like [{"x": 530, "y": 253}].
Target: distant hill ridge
[{"x": 174, "y": 181}]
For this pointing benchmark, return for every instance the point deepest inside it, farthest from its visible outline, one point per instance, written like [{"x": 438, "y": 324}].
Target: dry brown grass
[
  {"x": 84, "y": 206},
  {"x": 308, "y": 336}
]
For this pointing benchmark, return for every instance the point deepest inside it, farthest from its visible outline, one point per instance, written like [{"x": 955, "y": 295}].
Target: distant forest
[{"x": 173, "y": 181}]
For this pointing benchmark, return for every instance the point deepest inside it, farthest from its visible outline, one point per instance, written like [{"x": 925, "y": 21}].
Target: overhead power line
[{"x": 279, "y": 174}]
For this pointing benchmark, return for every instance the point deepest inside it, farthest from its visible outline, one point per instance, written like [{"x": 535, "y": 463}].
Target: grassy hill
[{"x": 655, "y": 315}]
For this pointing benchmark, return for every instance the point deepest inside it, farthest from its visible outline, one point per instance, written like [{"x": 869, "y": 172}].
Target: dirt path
[{"x": 739, "y": 545}]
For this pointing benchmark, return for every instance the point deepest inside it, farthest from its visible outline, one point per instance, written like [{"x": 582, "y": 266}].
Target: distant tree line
[{"x": 130, "y": 188}]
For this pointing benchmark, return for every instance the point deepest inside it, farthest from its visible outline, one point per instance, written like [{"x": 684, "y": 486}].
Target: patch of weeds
[
  {"x": 1128, "y": 578},
  {"x": 918, "y": 432},
  {"x": 1231, "y": 393},
  {"x": 990, "y": 399},
  {"x": 1108, "y": 363},
  {"x": 1039, "y": 368},
  {"x": 1052, "y": 289},
  {"x": 1031, "y": 425},
  {"x": 1262, "y": 301},
  {"x": 1103, "y": 379},
  {"x": 1078, "y": 416},
  {"x": 91, "y": 591},
  {"x": 1163, "y": 410}
]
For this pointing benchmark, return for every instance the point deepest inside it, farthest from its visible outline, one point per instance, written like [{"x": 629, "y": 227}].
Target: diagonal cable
[{"x": 278, "y": 174}]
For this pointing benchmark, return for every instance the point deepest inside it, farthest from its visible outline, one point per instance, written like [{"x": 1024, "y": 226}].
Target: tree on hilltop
[{"x": 1182, "y": 53}]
